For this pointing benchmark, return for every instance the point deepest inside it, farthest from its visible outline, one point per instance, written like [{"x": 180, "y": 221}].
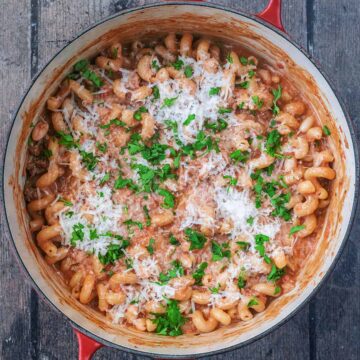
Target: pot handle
[
  {"x": 272, "y": 14},
  {"x": 87, "y": 346}
]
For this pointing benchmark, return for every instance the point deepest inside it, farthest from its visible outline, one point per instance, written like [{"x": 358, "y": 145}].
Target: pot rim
[{"x": 315, "y": 290}]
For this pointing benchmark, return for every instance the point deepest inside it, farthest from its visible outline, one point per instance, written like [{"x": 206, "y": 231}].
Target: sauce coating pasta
[{"x": 176, "y": 184}]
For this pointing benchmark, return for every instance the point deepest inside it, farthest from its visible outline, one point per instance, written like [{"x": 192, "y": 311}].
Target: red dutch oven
[{"x": 263, "y": 34}]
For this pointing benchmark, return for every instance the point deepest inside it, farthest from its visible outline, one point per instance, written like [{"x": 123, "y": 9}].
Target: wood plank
[
  {"x": 334, "y": 42},
  {"x": 16, "y": 295}
]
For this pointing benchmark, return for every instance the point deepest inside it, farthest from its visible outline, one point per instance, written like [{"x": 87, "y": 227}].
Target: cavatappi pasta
[{"x": 176, "y": 184}]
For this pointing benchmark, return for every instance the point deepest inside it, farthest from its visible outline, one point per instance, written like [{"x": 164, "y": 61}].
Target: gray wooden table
[{"x": 31, "y": 31}]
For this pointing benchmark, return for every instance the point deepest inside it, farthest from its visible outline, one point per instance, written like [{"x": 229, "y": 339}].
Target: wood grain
[{"x": 32, "y": 32}]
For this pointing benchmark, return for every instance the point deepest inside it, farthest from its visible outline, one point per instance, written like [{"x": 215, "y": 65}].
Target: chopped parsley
[
  {"x": 275, "y": 273},
  {"x": 169, "y": 198},
  {"x": 241, "y": 105},
  {"x": 250, "y": 220},
  {"x": 67, "y": 140},
  {"x": 130, "y": 223},
  {"x": 260, "y": 239},
  {"x": 138, "y": 113},
  {"x": 189, "y": 119},
  {"x": 168, "y": 102},
  {"x": 177, "y": 270},
  {"x": 150, "y": 247},
  {"x": 243, "y": 85},
  {"x": 296, "y": 229},
  {"x": 196, "y": 239},
  {"x": 232, "y": 181},
  {"x": 114, "y": 252},
  {"x": 66, "y": 202},
  {"x": 243, "y": 60},
  {"x": 178, "y": 64},
  {"x": 82, "y": 68},
  {"x": 214, "y": 91},
  {"x": 155, "y": 65},
  {"x": 105, "y": 178},
  {"x": 171, "y": 321},
  {"x": 326, "y": 130},
  {"x": 89, "y": 159},
  {"x": 273, "y": 143},
  {"x": 102, "y": 146},
  {"x": 224, "y": 110},
  {"x": 188, "y": 71},
  {"x": 173, "y": 240},
  {"x": 156, "y": 92},
  {"x": 147, "y": 216},
  {"x": 244, "y": 246},
  {"x": 240, "y": 156},
  {"x": 77, "y": 234},
  {"x": 220, "y": 125},
  {"x": 257, "y": 101},
  {"x": 252, "y": 302},
  {"x": 277, "y": 96},
  {"x": 215, "y": 290},
  {"x": 241, "y": 282},
  {"x": 219, "y": 251},
  {"x": 199, "y": 273},
  {"x": 229, "y": 59}
]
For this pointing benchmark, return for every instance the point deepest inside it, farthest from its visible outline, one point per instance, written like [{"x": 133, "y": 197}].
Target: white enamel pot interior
[{"x": 229, "y": 26}]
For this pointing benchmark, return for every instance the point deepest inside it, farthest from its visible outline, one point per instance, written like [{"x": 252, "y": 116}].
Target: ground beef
[{"x": 37, "y": 166}]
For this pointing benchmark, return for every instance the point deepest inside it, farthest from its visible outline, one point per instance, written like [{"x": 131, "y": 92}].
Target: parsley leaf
[
  {"x": 147, "y": 216},
  {"x": 277, "y": 96},
  {"x": 150, "y": 247},
  {"x": 173, "y": 240},
  {"x": 169, "y": 198},
  {"x": 156, "y": 92},
  {"x": 199, "y": 273},
  {"x": 275, "y": 273},
  {"x": 222, "y": 110},
  {"x": 296, "y": 229},
  {"x": 245, "y": 246},
  {"x": 114, "y": 252},
  {"x": 171, "y": 321},
  {"x": 89, "y": 159},
  {"x": 240, "y": 156},
  {"x": 273, "y": 143},
  {"x": 257, "y": 101},
  {"x": 219, "y": 251},
  {"x": 138, "y": 113},
  {"x": 326, "y": 130},
  {"x": 168, "y": 102},
  {"x": 220, "y": 125},
  {"x": 241, "y": 282},
  {"x": 196, "y": 239},
  {"x": 188, "y": 71},
  {"x": 214, "y": 91},
  {"x": 260, "y": 239},
  {"x": 253, "y": 302},
  {"x": 189, "y": 119},
  {"x": 105, "y": 178},
  {"x": 67, "y": 140},
  {"x": 77, "y": 234},
  {"x": 178, "y": 64}
]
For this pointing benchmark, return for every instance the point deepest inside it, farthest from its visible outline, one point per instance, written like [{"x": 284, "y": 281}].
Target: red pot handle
[
  {"x": 272, "y": 14},
  {"x": 87, "y": 346}
]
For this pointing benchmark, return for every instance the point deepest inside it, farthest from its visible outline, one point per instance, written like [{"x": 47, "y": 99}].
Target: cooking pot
[{"x": 262, "y": 34}]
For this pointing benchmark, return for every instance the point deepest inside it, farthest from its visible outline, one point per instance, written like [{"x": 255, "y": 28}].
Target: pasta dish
[{"x": 178, "y": 185}]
